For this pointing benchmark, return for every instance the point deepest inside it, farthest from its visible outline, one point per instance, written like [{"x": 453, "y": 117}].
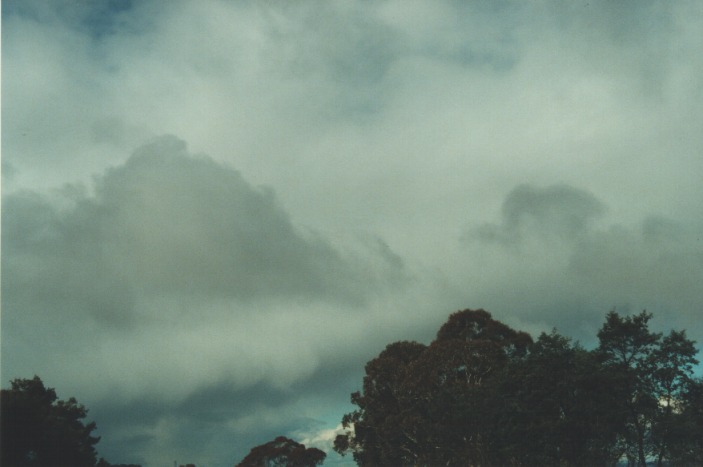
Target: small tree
[
  {"x": 38, "y": 429},
  {"x": 283, "y": 452}
]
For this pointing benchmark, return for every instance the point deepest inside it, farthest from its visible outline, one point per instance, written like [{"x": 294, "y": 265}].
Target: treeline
[
  {"x": 484, "y": 394},
  {"x": 481, "y": 394}
]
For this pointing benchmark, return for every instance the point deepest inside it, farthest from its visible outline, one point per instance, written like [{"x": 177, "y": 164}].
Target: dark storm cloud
[
  {"x": 554, "y": 260},
  {"x": 169, "y": 223},
  {"x": 561, "y": 210},
  {"x": 174, "y": 276},
  {"x": 219, "y": 402},
  {"x": 54, "y": 270},
  {"x": 660, "y": 262},
  {"x": 214, "y": 419},
  {"x": 191, "y": 225},
  {"x": 174, "y": 264},
  {"x": 96, "y": 18}
]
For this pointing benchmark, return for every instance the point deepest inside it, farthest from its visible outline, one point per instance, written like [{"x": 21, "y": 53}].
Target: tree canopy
[
  {"x": 484, "y": 394},
  {"x": 283, "y": 452},
  {"x": 38, "y": 429}
]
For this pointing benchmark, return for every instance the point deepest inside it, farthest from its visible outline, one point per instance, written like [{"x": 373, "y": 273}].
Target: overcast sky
[{"x": 214, "y": 213}]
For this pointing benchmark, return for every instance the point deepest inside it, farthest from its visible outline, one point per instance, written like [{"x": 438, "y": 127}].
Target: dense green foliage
[
  {"x": 483, "y": 394},
  {"x": 40, "y": 430}
]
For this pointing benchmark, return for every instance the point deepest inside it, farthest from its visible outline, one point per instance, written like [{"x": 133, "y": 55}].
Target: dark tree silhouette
[
  {"x": 40, "y": 430},
  {"x": 283, "y": 452},
  {"x": 379, "y": 437},
  {"x": 484, "y": 394},
  {"x": 479, "y": 326},
  {"x": 670, "y": 369},
  {"x": 685, "y": 435},
  {"x": 556, "y": 407},
  {"x": 420, "y": 405},
  {"x": 655, "y": 373}
]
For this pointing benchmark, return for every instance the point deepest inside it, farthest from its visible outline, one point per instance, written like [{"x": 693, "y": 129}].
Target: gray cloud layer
[
  {"x": 168, "y": 223},
  {"x": 177, "y": 276},
  {"x": 559, "y": 210},
  {"x": 395, "y": 161},
  {"x": 566, "y": 268}
]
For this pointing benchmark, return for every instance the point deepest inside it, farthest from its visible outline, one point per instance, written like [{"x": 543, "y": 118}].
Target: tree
[
  {"x": 671, "y": 365},
  {"x": 283, "y": 452},
  {"x": 421, "y": 405},
  {"x": 626, "y": 344},
  {"x": 686, "y": 437},
  {"x": 479, "y": 326},
  {"x": 656, "y": 373},
  {"x": 483, "y": 394},
  {"x": 40, "y": 430},
  {"x": 554, "y": 407},
  {"x": 377, "y": 437}
]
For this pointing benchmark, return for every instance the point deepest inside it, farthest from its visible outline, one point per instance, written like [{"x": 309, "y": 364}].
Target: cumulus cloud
[
  {"x": 553, "y": 259},
  {"x": 560, "y": 210},
  {"x": 175, "y": 273},
  {"x": 169, "y": 223}
]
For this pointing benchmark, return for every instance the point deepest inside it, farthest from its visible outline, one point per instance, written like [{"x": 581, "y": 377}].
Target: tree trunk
[{"x": 640, "y": 446}]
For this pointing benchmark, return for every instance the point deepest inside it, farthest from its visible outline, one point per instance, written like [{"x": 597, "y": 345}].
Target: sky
[{"x": 214, "y": 213}]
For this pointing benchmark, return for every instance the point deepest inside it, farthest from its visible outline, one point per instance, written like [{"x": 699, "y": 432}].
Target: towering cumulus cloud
[
  {"x": 174, "y": 273},
  {"x": 167, "y": 222}
]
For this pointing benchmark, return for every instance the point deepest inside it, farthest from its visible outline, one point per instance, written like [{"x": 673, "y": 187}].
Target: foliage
[
  {"x": 685, "y": 440},
  {"x": 484, "y": 394},
  {"x": 555, "y": 407},
  {"x": 419, "y": 403},
  {"x": 655, "y": 373},
  {"x": 283, "y": 452},
  {"x": 40, "y": 430}
]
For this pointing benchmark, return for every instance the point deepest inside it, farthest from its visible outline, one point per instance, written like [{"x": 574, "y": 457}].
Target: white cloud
[{"x": 321, "y": 439}]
